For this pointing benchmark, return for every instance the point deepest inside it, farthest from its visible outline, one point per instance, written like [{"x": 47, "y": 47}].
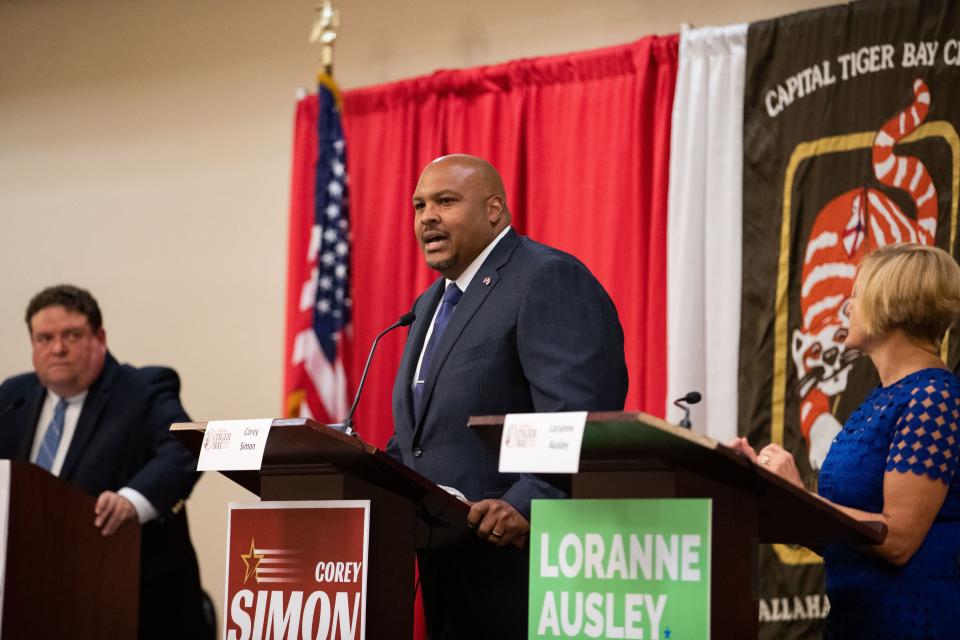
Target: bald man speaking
[{"x": 513, "y": 326}]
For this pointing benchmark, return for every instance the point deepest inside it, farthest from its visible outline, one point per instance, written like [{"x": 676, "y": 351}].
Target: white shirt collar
[
  {"x": 79, "y": 398},
  {"x": 464, "y": 280}
]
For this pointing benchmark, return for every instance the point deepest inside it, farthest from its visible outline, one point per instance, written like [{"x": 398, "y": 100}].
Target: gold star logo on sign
[{"x": 251, "y": 561}]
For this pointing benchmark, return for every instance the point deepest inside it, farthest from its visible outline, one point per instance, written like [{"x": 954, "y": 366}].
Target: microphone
[
  {"x": 347, "y": 425},
  {"x": 693, "y": 397}
]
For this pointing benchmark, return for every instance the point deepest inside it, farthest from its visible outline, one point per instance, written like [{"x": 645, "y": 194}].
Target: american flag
[
  {"x": 331, "y": 228},
  {"x": 325, "y": 294}
]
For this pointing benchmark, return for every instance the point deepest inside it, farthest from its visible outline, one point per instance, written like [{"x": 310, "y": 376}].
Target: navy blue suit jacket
[
  {"x": 533, "y": 332},
  {"x": 122, "y": 439}
]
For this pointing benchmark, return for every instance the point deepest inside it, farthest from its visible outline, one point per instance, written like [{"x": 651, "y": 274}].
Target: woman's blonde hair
[{"x": 911, "y": 287}]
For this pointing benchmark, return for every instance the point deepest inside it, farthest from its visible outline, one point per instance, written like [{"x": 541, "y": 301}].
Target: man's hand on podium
[
  {"x": 497, "y": 522},
  {"x": 111, "y": 511}
]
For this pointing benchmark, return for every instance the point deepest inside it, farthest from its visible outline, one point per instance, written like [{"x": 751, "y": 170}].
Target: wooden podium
[
  {"x": 61, "y": 577},
  {"x": 624, "y": 455},
  {"x": 304, "y": 460},
  {"x": 635, "y": 455}
]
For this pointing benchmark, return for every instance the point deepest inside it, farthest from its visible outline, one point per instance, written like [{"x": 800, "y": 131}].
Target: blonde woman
[{"x": 896, "y": 458}]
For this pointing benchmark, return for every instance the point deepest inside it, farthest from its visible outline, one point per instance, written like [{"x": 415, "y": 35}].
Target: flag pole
[{"x": 325, "y": 26}]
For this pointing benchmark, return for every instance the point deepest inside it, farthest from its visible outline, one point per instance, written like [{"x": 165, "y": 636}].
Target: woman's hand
[
  {"x": 774, "y": 457},
  {"x": 743, "y": 446},
  {"x": 780, "y": 461}
]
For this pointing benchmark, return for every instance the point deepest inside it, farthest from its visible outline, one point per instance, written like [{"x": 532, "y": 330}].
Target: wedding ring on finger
[
  {"x": 496, "y": 534},
  {"x": 764, "y": 460}
]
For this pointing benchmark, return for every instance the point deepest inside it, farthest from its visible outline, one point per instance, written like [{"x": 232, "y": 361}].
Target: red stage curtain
[
  {"x": 300, "y": 223},
  {"x": 582, "y": 142}
]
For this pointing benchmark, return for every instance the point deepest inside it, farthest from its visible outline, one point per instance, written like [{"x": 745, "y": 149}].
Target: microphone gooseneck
[
  {"x": 692, "y": 397},
  {"x": 347, "y": 425}
]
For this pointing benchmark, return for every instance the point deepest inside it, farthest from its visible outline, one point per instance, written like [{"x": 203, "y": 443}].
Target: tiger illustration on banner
[{"x": 849, "y": 227}]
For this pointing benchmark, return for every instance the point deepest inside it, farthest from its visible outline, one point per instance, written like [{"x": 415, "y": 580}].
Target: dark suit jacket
[
  {"x": 533, "y": 332},
  {"x": 122, "y": 439},
  {"x": 543, "y": 335}
]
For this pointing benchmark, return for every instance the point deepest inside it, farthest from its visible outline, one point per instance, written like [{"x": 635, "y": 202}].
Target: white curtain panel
[{"x": 704, "y": 234}]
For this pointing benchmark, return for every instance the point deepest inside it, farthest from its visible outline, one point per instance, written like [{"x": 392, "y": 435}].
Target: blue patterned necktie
[
  {"x": 447, "y": 305},
  {"x": 51, "y": 439}
]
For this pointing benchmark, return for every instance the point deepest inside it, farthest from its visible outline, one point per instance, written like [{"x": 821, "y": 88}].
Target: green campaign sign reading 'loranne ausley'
[{"x": 620, "y": 569}]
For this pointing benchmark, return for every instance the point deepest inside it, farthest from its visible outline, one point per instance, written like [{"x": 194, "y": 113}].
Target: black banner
[{"x": 851, "y": 116}]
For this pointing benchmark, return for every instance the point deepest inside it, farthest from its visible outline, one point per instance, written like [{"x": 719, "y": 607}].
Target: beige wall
[{"x": 145, "y": 151}]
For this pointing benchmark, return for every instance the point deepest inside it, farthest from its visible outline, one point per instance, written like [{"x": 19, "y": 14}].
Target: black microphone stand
[{"x": 347, "y": 425}]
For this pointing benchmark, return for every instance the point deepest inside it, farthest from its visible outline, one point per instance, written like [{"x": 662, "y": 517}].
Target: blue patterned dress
[{"x": 912, "y": 426}]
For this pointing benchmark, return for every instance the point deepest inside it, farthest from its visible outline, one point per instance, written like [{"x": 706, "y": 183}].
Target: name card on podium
[
  {"x": 542, "y": 442},
  {"x": 234, "y": 445}
]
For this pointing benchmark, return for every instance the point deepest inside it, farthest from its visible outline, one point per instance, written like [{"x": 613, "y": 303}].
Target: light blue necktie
[{"x": 51, "y": 439}]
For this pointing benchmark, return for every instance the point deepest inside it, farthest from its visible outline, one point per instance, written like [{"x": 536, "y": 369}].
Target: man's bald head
[
  {"x": 460, "y": 208},
  {"x": 478, "y": 171}
]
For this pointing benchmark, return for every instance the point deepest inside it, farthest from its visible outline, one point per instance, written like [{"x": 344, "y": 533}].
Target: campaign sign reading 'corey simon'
[
  {"x": 297, "y": 570},
  {"x": 620, "y": 569}
]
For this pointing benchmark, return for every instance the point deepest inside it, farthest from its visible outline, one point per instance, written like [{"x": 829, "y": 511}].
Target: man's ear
[{"x": 494, "y": 209}]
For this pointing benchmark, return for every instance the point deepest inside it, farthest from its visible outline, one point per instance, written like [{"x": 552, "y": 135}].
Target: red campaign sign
[{"x": 297, "y": 570}]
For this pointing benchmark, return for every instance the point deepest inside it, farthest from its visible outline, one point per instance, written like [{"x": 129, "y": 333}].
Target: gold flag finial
[{"x": 324, "y": 31}]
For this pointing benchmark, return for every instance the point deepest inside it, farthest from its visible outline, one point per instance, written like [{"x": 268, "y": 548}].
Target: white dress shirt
[
  {"x": 462, "y": 283},
  {"x": 145, "y": 510}
]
